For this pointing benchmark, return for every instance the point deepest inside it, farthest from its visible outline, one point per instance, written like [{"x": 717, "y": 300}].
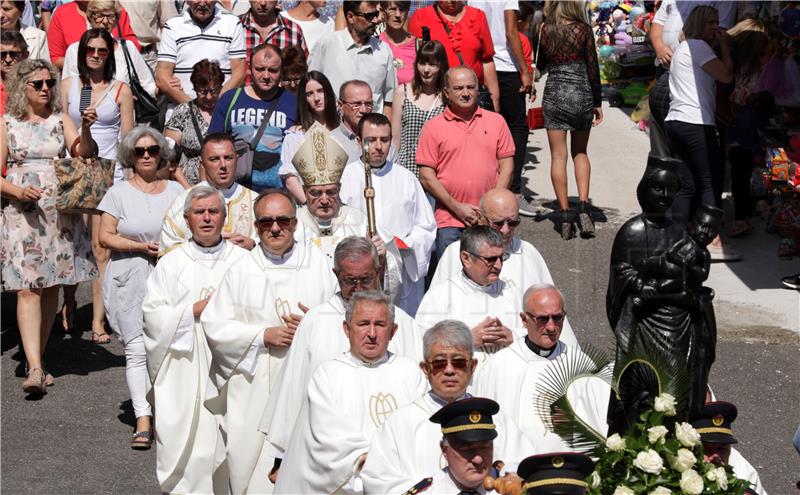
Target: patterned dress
[
  {"x": 190, "y": 144},
  {"x": 40, "y": 247},
  {"x": 412, "y": 120}
]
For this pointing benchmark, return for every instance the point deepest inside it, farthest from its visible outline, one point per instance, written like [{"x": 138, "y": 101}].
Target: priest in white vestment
[
  {"x": 406, "y": 447},
  {"x": 347, "y": 399},
  {"x": 511, "y": 375},
  {"x": 218, "y": 159},
  {"x": 250, "y": 325},
  {"x": 401, "y": 207},
  {"x": 189, "y": 449},
  {"x": 319, "y": 338},
  {"x": 324, "y": 221}
]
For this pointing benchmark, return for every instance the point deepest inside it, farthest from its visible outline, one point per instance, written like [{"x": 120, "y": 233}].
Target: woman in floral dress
[{"x": 40, "y": 247}]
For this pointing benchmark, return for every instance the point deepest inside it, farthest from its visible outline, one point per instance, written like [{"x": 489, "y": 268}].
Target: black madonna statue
[{"x": 655, "y": 301}]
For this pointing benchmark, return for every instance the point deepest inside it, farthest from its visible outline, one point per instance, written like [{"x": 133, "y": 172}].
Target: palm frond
[{"x": 553, "y": 406}]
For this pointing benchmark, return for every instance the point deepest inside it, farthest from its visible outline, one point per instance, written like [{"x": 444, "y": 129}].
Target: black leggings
[{"x": 701, "y": 176}]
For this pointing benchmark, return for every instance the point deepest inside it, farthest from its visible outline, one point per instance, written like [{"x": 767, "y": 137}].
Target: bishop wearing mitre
[
  {"x": 188, "y": 444},
  {"x": 347, "y": 399},
  {"x": 218, "y": 161},
  {"x": 250, "y": 324},
  {"x": 324, "y": 220}
]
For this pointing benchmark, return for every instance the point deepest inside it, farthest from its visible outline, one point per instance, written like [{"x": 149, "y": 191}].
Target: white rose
[
  {"x": 623, "y": 490},
  {"x": 595, "y": 480},
  {"x": 722, "y": 478},
  {"x": 683, "y": 461},
  {"x": 615, "y": 442},
  {"x": 656, "y": 433},
  {"x": 649, "y": 461},
  {"x": 660, "y": 490},
  {"x": 691, "y": 482},
  {"x": 665, "y": 403},
  {"x": 711, "y": 475},
  {"x": 687, "y": 435}
]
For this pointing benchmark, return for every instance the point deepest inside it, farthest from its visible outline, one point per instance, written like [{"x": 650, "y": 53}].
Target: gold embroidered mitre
[{"x": 319, "y": 159}]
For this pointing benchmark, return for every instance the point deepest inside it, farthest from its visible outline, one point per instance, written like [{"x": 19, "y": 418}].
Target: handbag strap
[
  {"x": 538, "y": 45},
  {"x": 230, "y": 107},
  {"x": 447, "y": 30},
  {"x": 265, "y": 122},
  {"x": 133, "y": 77},
  {"x": 196, "y": 125}
]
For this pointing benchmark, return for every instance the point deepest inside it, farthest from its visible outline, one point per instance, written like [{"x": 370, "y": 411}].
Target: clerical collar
[
  {"x": 493, "y": 288},
  {"x": 207, "y": 250},
  {"x": 540, "y": 351},
  {"x": 280, "y": 259},
  {"x": 383, "y": 169},
  {"x": 441, "y": 402},
  {"x": 366, "y": 364}
]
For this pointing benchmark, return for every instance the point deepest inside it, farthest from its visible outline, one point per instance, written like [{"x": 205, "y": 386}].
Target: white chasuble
[
  {"x": 244, "y": 370},
  {"x": 403, "y": 210},
  {"x": 345, "y": 402},
  {"x": 510, "y": 377},
  {"x": 178, "y": 361},
  {"x": 240, "y": 218},
  {"x": 405, "y": 449},
  {"x": 319, "y": 338},
  {"x": 525, "y": 267},
  {"x": 347, "y": 222}
]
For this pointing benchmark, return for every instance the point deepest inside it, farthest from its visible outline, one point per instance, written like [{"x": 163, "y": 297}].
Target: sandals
[
  {"x": 100, "y": 337},
  {"x": 142, "y": 440},
  {"x": 585, "y": 222},
  {"x": 35, "y": 383}
]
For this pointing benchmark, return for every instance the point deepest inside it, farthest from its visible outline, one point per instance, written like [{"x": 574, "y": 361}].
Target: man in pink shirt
[{"x": 462, "y": 153}]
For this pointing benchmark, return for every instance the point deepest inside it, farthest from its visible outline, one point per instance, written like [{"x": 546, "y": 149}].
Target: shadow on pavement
[{"x": 126, "y": 415}]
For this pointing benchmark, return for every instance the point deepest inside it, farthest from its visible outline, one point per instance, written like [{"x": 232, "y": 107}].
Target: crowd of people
[{"x": 283, "y": 329}]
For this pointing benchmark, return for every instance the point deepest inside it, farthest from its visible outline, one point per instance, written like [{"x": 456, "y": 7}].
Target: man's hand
[
  {"x": 467, "y": 213},
  {"x": 292, "y": 321},
  {"x": 380, "y": 246},
  {"x": 663, "y": 54},
  {"x": 527, "y": 81},
  {"x": 240, "y": 240},
  {"x": 199, "y": 306},
  {"x": 278, "y": 336},
  {"x": 175, "y": 83},
  {"x": 497, "y": 334},
  {"x": 481, "y": 330}
]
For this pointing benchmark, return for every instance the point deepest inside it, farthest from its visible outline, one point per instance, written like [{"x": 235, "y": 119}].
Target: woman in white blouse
[{"x": 10, "y": 13}]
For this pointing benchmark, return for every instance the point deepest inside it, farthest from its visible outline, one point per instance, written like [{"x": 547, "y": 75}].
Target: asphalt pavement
[{"x": 75, "y": 440}]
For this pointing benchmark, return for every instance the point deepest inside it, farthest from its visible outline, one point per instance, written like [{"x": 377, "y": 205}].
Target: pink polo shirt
[{"x": 464, "y": 155}]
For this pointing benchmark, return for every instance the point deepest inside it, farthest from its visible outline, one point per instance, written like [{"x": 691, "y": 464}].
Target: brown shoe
[{"x": 35, "y": 383}]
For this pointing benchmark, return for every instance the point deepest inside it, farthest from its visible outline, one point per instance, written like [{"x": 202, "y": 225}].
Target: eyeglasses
[
  {"x": 355, "y": 105},
  {"x": 139, "y": 151},
  {"x": 543, "y": 319},
  {"x": 267, "y": 222},
  {"x": 37, "y": 84},
  {"x": 14, "y": 54},
  {"x": 102, "y": 17},
  {"x": 353, "y": 281},
  {"x": 368, "y": 16},
  {"x": 208, "y": 91},
  {"x": 506, "y": 221},
  {"x": 439, "y": 365},
  {"x": 291, "y": 80},
  {"x": 316, "y": 194},
  {"x": 491, "y": 260},
  {"x": 100, "y": 52}
]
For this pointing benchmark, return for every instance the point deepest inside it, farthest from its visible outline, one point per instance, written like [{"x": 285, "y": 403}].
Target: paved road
[{"x": 75, "y": 439}]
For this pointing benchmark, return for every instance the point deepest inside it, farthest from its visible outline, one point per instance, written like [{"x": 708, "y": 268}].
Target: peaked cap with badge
[
  {"x": 562, "y": 473},
  {"x": 319, "y": 159},
  {"x": 713, "y": 422},
  {"x": 468, "y": 420}
]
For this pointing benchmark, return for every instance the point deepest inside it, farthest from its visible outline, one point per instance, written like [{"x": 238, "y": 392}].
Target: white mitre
[{"x": 319, "y": 159}]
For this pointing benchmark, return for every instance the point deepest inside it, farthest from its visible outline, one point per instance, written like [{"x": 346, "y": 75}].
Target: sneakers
[
  {"x": 526, "y": 207},
  {"x": 791, "y": 282}
]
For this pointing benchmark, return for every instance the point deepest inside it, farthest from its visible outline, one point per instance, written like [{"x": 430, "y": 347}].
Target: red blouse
[
  {"x": 471, "y": 36},
  {"x": 68, "y": 25}
]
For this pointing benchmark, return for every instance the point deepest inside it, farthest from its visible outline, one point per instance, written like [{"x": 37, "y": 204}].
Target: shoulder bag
[
  {"x": 148, "y": 110},
  {"x": 484, "y": 96},
  {"x": 253, "y": 167},
  {"x": 82, "y": 182}
]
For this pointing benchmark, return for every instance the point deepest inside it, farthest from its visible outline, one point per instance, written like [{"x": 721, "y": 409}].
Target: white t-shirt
[
  {"x": 692, "y": 89},
  {"x": 312, "y": 30},
  {"x": 673, "y": 13},
  {"x": 495, "y": 16}
]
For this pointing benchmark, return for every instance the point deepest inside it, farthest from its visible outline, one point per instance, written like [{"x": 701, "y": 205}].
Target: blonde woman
[
  {"x": 40, "y": 247},
  {"x": 570, "y": 103}
]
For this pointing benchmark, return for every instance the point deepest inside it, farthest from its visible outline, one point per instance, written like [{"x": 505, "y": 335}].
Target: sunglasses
[
  {"x": 102, "y": 17},
  {"x": 543, "y": 319},
  {"x": 14, "y": 54},
  {"x": 363, "y": 281},
  {"x": 37, "y": 84},
  {"x": 151, "y": 150},
  {"x": 266, "y": 222},
  {"x": 100, "y": 52},
  {"x": 491, "y": 260},
  {"x": 368, "y": 16},
  {"x": 439, "y": 365},
  {"x": 208, "y": 91},
  {"x": 507, "y": 221}
]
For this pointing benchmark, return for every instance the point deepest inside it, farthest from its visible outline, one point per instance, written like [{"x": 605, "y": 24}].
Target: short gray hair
[
  {"x": 203, "y": 191},
  {"x": 451, "y": 333},
  {"x": 354, "y": 247},
  {"x": 474, "y": 237},
  {"x": 533, "y": 289},
  {"x": 125, "y": 155},
  {"x": 279, "y": 192},
  {"x": 352, "y": 82},
  {"x": 375, "y": 296}
]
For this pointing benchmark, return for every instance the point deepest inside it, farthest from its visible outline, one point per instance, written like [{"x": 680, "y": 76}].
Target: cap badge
[
  {"x": 557, "y": 461},
  {"x": 718, "y": 420},
  {"x": 474, "y": 417}
]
